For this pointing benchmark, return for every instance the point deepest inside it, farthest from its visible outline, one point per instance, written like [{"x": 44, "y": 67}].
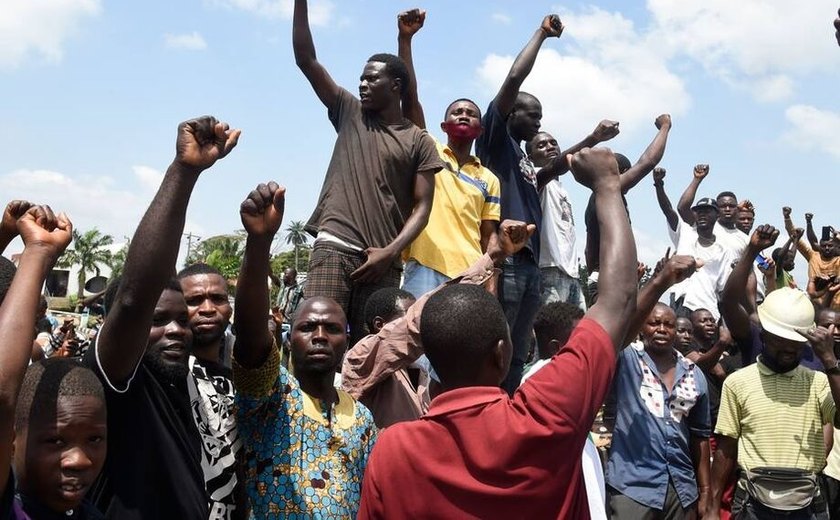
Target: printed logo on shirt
[
  {"x": 566, "y": 210},
  {"x": 682, "y": 399},
  {"x": 528, "y": 170}
]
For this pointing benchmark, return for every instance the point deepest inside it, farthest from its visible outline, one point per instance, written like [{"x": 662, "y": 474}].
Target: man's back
[{"x": 479, "y": 454}]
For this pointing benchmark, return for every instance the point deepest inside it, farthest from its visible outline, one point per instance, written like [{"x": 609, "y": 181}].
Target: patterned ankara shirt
[{"x": 299, "y": 464}]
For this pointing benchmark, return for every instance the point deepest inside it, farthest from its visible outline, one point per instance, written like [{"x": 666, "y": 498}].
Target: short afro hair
[
  {"x": 557, "y": 319},
  {"x": 45, "y": 381},
  {"x": 468, "y": 100},
  {"x": 726, "y": 194},
  {"x": 460, "y": 326},
  {"x": 7, "y": 272},
  {"x": 394, "y": 67},
  {"x": 196, "y": 269},
  {"x": 383, "y": 303},
  {"x": 624, "y": 163}
]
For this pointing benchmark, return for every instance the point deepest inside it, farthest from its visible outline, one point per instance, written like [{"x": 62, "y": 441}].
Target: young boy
[{"x": 52, "y": 416}]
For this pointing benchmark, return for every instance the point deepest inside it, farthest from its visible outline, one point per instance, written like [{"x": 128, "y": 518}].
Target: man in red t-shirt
[{"x": 478, "y": 453}]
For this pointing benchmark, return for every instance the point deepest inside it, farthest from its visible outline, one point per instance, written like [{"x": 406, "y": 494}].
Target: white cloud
[
  {"x": 39, "y": 27},
  {"x": 190, "y": 42},
  {"x": 608, "y": 70},
  {"x": 148, "y": 176},
  {"x": 813, "y": 129},
  {"x": 501, "y": 18},
  {"x": 749, "y": 43},
  {"x": 320, "y": 11}
]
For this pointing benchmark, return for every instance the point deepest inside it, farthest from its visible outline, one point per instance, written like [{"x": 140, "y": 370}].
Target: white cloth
[
  {"x": 733, "y": 239},
  {"x": 590, "y": 462},
  {"x": 557, "y": 234},
  {"x": 702, "y": 290}
]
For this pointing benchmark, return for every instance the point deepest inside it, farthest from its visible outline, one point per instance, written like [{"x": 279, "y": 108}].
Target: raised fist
[
  {"x": 203, "y": 141},
  {"x": 592, "y": 166},
  {"x": 552, "y": 26},
  {"x": 786, "y": 211},
  {"x": 763, "y": 237},
  {"x": 39, "y": 227},
  {"x": 262, "y": 211},
  {"x": 409, "y": 22},
  {"x": 14, "y": 210},
  {"x": 663, "y": 120},
  {"x": 658, "y": 174},
  {"x": 605, "y": 130},
  {"x": 700, "y": 171}
]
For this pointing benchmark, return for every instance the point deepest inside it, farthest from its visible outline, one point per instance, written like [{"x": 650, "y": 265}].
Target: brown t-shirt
[{"x": 368, "y": 191}]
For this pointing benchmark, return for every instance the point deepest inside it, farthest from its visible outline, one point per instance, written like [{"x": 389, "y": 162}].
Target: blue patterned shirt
[{"x": 299, "y": 463}]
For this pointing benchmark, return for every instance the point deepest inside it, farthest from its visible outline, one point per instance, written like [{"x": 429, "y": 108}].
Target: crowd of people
[{"x": 444, "y": 358}]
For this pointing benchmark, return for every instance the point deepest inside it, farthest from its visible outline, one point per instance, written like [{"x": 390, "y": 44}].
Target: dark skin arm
[
  {"x": 488, "y": 233},
  {"x": 726, "y": 456},
  {"x": 150, "y": 262},
  {"x": 597, "y": 169},
  {"x": 551, "y": 27},
  {"x": 8, "y": 225},
  {"x": 809, "y": 231},
  {"x": 304, "y": 49},
  {"x": 379, "y": 260},
  {"x": 662, "y": 197},
  {"x": 45, "y": 237},
  {"x": 736, "y": 318},
  {"x": 605, "y": 131},
  {"x": 690, "y": 193},
  {"x": 700, "y": 456},
  {"x": 408, "y": 23},
  {"x": 262, "y": 214},
  {"x": 651, "y": 156},
  {"x": 707, "y": 361},
  {"x": 822, "y": 341}
]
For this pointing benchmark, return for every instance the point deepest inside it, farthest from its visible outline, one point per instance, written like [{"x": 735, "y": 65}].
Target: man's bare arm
[
  {"x": 306, "y": 60},
  {"x": 700, "y": 456},
  {"x": 408, "y": 23},
  {"x": 690, "y": 193},
  {"x": 597, "y": 169},
  {"x": 8, "y": 225},
  {"x": 150, "y": 262},
  {"x": 725, "y": 458},
  {"x": 650, "y": 157},
  {"x": 45, "y": 237},
  {"x": 261, "y": 214},
  {"x": 551, "y": 27},
  {"x": 663, "y": 200},
  {"x": 605, "y": 131},
  {"x": 813, "y": 241},
  {"x": 380, "y": 259}
]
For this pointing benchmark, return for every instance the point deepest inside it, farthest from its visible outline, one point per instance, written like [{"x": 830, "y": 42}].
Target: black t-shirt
[
  {"x": 153, "y": 468},
  {"x": 593, "y": 231},
  {"x": 17, "y": 507}
]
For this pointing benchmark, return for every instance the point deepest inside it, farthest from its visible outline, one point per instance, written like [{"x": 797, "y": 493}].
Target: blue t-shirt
[
  {"x": 651, "y": 442},
  {"x": 502, "y": 155}
]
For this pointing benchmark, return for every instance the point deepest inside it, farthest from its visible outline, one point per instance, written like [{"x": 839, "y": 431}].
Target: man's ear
[
  {"x": 397, "y": 85},
  {"x": 378, "y": 323},
  {"x": 554, "y": 345}
]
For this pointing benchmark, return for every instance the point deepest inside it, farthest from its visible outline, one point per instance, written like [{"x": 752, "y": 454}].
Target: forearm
[
  {"x": 253, "y": 339},
  {"x": 687, "y": 199},
  {"x": 707, "y": 360},
  {"x": 700, "y": 456},
  {"x": 649, "y": 159},
  {"x": 560, "y": 165},
  {"x": 666, "y": 207},
  {"x": 488, "y": 230},
  {"x": 411, "y": 107},
  {"x": 5, "y": 240},
  {"x": 722, "y": 468},
  {"x": 302, "y": 44},
  {"x": 520, "y": 69},
  {"x": 415, "y": 223},
  {"x": 809, "y": 232}
]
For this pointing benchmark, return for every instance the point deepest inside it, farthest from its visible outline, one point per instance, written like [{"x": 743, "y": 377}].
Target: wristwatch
[{"x": 833, "y": 370}]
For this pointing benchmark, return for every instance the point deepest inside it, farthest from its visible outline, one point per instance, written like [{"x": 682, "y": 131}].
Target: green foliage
[
  {"x": 88, "y": 254},
  {"x": 286, "y": 259},
  {"x": 224, "y": 252},
  {"x": 297, "y": 236},
  {"x": 117, "y": 260}
]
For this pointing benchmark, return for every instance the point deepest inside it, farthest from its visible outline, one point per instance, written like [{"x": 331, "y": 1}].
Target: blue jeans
[
  {"x": 557, "y": 286},
  {"x": 419, "y": 279},
  {"x": 519, "y": 293}
]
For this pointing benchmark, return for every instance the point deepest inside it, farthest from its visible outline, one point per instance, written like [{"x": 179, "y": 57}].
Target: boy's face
[{"x": 57, "y": 461}]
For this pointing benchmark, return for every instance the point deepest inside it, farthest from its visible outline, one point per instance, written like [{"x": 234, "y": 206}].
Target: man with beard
[
  {"x": 779, "y": 459},
  {"x": 154, "y": 466},
  {"x": 306, "y": 442}
]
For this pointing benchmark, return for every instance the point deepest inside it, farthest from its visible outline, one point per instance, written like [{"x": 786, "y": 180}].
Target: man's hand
[
  {"x": 262, "y": 211},
  {"x": 763, "y": 237},
  {"x": 770, "y": 269},
  {"x": 786, "y": 211},
  {"x": 512, "y": 236},
  {"x": 552, "y": 26},
  {"x": 658, "y": 175},
  {"x": 379, "y": 260},
  {"x": 663, "y": 120},
  {"x": 40, "y": 228},
  {"x": 203, "y": 141},
  {"x": 822, "y": 341},
  {"x": 14, "y": 210},
  {"x": 605, "y": 130},
  {"x": 837, "y": 27},
  {"x": 594, "y": 166},
  {"x": 409, "y": 22},
  {"x": 798, "y": 233},
  {"x": 678, "y": 268},
  {"x": 700, "y": 171},
  {"x": 724, "y": 336},
  {"x": 809, "y": 217}
]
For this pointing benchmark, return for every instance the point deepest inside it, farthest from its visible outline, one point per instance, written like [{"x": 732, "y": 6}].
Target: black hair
[
  {"x": 557, "y": 319},
  {"x": 624, "y": 163},
  {"x": 468, "y": 100},
  {"x": 529, "y": 146},
  {"x": 394, "y": 67},
  {"x": 777, "y": 255},
  {"x": 522, "y": 98},
  {"x": 47, "y": 380},
  {"x": 7, "y": 272},
  {"x": 383, "y": 303},
  {"x": 198, "y": 268},
  {"x": 460, "y": 326},
  {"x": 726, "y": 194}
]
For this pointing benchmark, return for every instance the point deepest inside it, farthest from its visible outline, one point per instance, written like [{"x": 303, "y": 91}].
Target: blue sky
[{"x": 92, "y": 90}]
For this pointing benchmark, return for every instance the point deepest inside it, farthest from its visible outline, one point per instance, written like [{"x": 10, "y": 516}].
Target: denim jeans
[
  {"x": 557, "y": 286},
  {"x": 519, "y": 293},
  {"x": 419, "y": 279}
]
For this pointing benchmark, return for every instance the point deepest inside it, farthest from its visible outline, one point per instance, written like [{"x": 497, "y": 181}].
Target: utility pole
[{"x": 190, "y": 238}]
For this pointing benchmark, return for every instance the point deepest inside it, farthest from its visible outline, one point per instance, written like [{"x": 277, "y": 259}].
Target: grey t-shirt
[{"x": 368, "y": 192}]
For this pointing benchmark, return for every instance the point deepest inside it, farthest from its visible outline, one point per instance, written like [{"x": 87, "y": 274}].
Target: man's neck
[
  {"x": 663, "y": 360},
  {"x": 318, "y": 386},
  {"x": 704, "y": 344},
  {"x": 706, "y": 236},
  {"x": 209, "y": 352},
  {"x": 727, "y": 225},
  {"x": 461, "y": 150},
  {"x": 391, "y": 115}
]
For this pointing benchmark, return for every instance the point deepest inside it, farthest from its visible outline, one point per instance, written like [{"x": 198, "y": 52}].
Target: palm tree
[
  {"x": 88, "y": 254},
  {"x": 296, "y": 235}
]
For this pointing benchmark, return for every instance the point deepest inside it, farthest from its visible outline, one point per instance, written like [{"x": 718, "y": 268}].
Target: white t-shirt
[
  {"x": 702, "y": 290},
  {"x": 557, "y": 235},
  {"x": 734, "y": 238},
  {"x": 590, "y": 462}
]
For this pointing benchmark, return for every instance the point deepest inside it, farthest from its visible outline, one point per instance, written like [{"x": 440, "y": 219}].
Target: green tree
[
  {"x": 281, "y": 261},
  {"x": 88, "y": 254},
  {"x": 224, "y": 252},
  {"x": 297, "y": 236},
  {"x": 117, "y": 260}
]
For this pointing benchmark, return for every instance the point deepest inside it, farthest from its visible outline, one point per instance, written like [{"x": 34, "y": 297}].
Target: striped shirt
[{"x": 777, "y": 418}]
